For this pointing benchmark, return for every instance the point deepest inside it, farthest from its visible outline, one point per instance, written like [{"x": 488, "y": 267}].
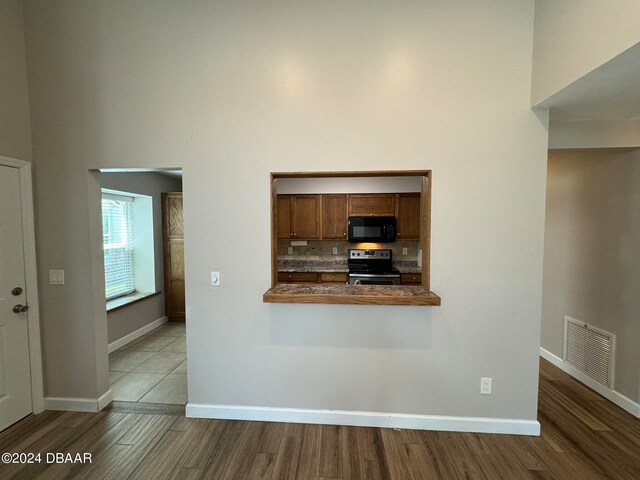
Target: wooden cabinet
[
  {"x": 408, "y": 215},
  {"x": 410, "y": 278},
  {"x": 297, "y": 277},
  {"x": 315, "y": 217},
  {"x": 173, "y": 249},
  {"x": 284, "y": 206},
  {"x": 312, "y": 277},
  {"x": 299, "y": 216},
  {"x": 334, "y": 216},
  {"x": 333, "y": 277},
  {"x": 372, "y": 205}
]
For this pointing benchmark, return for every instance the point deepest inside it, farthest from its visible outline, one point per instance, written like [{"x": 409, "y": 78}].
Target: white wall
[
  {"x": 15, "y": 130},
  {"x": 128, "y": 319},
  {"x": 231, "y": 91},
  {"x": 573, "y": 37},
  {"x": 592, "y": 253},
  {"x": 567, "y": 134},
  {"x": 349, "y": 185}
]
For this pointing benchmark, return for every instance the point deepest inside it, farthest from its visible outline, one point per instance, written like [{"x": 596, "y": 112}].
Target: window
[
  {"x": 129, "y": 251},
  {"x": 118, "y": 240}
]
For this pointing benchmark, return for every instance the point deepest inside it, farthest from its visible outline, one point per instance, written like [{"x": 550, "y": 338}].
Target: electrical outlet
[
  {"x": 334, "y": 250},
  {"x": 405, "y": 250},
  {"x": 290, "y": 250},
  {"x": 485, "y": 386}
]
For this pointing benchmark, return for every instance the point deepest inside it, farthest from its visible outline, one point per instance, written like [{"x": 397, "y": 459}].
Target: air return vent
[{"x": 590, "y": 350}]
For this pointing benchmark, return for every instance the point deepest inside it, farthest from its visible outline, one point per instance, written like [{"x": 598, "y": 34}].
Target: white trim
[
  {"x": 70, "y": 404},
  {"x": 105, "y": 399},
  {"x": 366, "y": 419},
  {"x": 121, "y": 342},
  {"x": 31, "y": 280},
  {"x": 616, "y": 397}
]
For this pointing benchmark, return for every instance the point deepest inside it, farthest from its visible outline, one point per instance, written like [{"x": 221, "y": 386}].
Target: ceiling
[{"x": 610, "y": 92}]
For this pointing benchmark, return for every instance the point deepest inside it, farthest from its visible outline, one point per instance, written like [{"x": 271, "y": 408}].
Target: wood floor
[{"x": 583, "y": 437}]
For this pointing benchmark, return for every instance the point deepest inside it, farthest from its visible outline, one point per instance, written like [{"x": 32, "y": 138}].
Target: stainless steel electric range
[{"x": 372, "y": 267}]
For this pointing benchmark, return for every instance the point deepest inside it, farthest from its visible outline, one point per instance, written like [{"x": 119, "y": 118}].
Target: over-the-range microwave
[{"x": 372, "y": 229}]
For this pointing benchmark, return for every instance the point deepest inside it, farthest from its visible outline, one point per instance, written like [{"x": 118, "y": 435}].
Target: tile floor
[{"x": 153, "y": 368}]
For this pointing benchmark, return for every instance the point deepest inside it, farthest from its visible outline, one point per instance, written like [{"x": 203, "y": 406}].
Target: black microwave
[{"x": 372, "y": 229}]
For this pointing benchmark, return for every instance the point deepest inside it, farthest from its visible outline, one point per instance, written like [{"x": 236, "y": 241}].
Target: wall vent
[{"x": 590, "y": 350}]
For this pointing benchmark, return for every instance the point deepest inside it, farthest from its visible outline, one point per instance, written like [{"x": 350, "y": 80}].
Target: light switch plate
[
  {"x": 215, "y": 279},
  {"x": 56, "y": 277}
]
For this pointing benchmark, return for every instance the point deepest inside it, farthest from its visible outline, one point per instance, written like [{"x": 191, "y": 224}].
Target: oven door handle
[{"x": 370, "y": 275}]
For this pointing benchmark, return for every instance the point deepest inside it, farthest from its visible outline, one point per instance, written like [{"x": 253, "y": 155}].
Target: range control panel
[{"x": 383, "y": 254}]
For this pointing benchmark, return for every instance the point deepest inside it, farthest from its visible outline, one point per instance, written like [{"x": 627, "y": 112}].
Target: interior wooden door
[{"x": 173, "y": 231}]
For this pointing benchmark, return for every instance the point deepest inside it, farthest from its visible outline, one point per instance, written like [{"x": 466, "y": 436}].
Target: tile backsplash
[{"x": 322, "y": 249}]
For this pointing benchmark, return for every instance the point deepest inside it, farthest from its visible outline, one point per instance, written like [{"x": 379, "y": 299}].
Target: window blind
[{"x": 118, "y": 235}]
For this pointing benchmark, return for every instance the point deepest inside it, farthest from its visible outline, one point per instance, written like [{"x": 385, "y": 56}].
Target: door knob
[
  {"x": 16, "y": 291},
  {"x": 20, "y": 308}
]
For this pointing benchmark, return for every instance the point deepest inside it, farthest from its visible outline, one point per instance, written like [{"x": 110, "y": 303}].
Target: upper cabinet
[
  {"x": 334, "y": 216},
  {"x": 372, "y": 205},
  {"x": 299, "y": 216},
  {"x": 283, "y": 206},
  {"x": 408, "y": 215},
  {"x": 314, "y": 217}
]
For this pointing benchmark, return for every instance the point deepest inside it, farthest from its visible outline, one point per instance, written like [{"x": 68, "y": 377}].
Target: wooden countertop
[{"x": 350, "y": 294}]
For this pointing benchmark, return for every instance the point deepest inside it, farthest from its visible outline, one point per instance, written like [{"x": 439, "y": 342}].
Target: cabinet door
[
  {"x": 372, "y": 205},
  {"x": 408, "y": 213},
  {"x": 173, "y": 233},
  {"x": 410, "y": 278},
  {"x": 297, "y": 277},
  {"x": 306, "y": 216},
  {"x": 284, "y": 216},
  {"x": 334, "y": 216},
  {"x": 333, "y": 277}
]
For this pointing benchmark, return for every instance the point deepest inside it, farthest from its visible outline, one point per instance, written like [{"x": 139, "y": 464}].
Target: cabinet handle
[
  {"x": 398, "y": 233},
  {"x": 344, "y": 234}
]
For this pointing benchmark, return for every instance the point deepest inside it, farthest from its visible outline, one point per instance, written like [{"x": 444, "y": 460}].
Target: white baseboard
[
  {"x": 70, "y": 404},
  {"x": 616, "y": 397},
  {"x": 366, "y": 419},
  {"x": 121, "y": 342}
]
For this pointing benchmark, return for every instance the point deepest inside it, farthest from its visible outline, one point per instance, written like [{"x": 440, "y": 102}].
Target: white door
[{"x": 15, "y": 380}]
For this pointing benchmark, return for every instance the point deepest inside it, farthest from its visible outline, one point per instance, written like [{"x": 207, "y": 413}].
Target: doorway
[
  {"x": 20, "y": 360},
  {"x": 147, "y": 346}
]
